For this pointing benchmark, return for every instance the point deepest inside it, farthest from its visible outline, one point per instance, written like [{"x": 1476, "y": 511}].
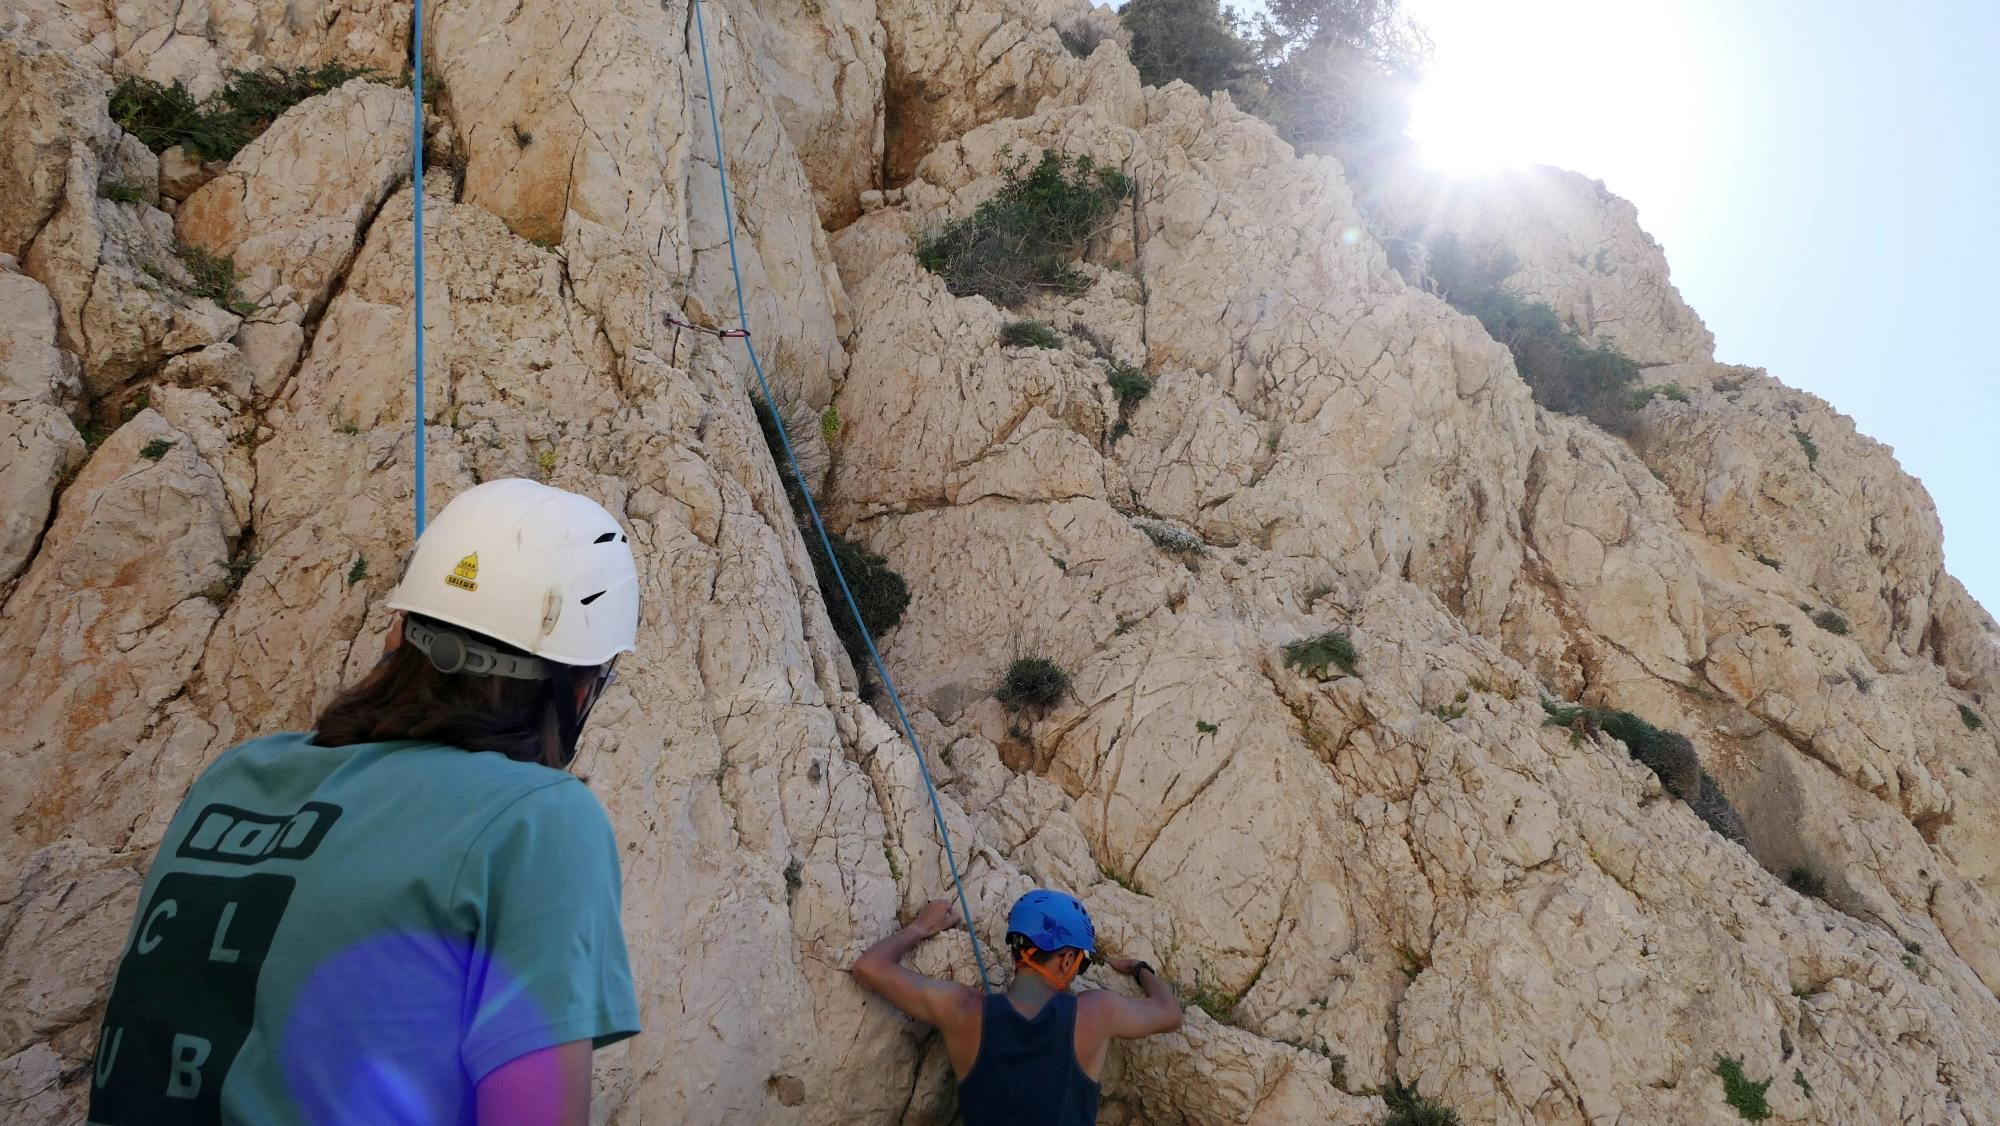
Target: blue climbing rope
[
  {"x": 819, "y": 527},
  {"x": 417, "y": 236}
]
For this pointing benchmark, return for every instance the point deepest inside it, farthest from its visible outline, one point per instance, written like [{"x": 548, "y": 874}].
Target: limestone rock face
[{"x": 1362, "y": 868}]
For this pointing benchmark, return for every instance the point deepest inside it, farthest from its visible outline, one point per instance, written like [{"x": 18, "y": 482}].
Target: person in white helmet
[{"x": 411, "y": 913}]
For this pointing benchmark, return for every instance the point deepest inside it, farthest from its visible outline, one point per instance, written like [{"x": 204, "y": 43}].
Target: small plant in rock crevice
[
  {"x": 1022, "y": 239},
  {"x": 1809, "y": 446},
  {"x": 235, "y": 570},
  {"x": 1741, "y": 1092},
  {"x": 1806, "y": 882},
  {"x": 1205, "y": 728},
  {"x": 1832, "y": 621},
  {"x": 1032, "y": 683},
  {"x": 1128, "y": 383},
  {"x": 1029, "y": 334},
  {"x": 155, "y": 449},
  {"x": 1315, "y": 655},
  {"x": 1407, "y": 1107},
  {"x": 1081, "y": 40},
  {"x": 121, "y": 193},
  {"x": 880, "y": 593},
  {"x": 357, "y": 572},
  {"x": 1168, "y": 538},
  {"x": 1970, "y": 718},
  {"x": 215, "y": 278}
]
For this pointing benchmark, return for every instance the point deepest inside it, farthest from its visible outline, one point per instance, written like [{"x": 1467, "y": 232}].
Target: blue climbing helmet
[{"x": 1052, "y": 921}]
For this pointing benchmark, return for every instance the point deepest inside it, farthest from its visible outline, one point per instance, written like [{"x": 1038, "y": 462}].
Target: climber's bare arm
[
  {"x": 946, "y": 1004},
  {"x": 1103, "y": 1016},
  {"x": 546, "y": 1088},
  {"x": 1128, "y": 1018}
]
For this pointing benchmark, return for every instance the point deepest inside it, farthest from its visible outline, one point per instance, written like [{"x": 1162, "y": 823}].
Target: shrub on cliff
[
  {"x": 1324, "y": 73},
  {"x": 1032, "y": 682},
  {"x": 1198, "y": 42},
  {"x": 880, "y": 594},
  {"x": 1668, "y": 754},
  {"x": 1024, "y": 237},
  {"x": 1316, "y": 655},
  {"x": 218, "y": 127},
  {"x": 1562, "y": 372},
  {"x": 1409, "y": 1108},
  {"x": 1029, "y": 334}
]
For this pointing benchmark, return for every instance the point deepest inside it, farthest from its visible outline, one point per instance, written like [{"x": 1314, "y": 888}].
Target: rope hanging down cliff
[
  {"x": 417, "y": 233},
  {"x": 819, "y": 527}
]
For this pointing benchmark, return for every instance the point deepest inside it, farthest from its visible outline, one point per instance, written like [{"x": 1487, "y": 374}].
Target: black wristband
[{"x": 1137, "y": 966}]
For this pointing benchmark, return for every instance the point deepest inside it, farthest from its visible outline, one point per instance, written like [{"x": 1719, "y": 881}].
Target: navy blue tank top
[{"x": 1026, "y": 1073}]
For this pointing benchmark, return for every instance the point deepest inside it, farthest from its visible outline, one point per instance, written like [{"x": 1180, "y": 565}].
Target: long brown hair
[{"x": 406, "y": 697}]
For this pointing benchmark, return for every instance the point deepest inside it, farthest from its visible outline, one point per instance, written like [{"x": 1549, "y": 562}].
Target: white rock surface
[{"x": 1398, "y": 873}]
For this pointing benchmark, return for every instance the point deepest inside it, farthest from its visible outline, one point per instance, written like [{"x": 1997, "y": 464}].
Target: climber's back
[{"x": 376, "y": 921}]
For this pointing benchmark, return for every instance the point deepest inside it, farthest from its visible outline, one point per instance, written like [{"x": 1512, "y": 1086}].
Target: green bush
[
  {"x": 1198, "y": 42},
  {"x": 1029, "y": 334},
  {"x": 1806, "y": 882},
  {"x": 218, "y": 127},
  {"x": 215, "y": 279},
  {"x": 357, "y": 572},
  {"x": 1409, "y": 1108},
  {"x": 880, "y": 594},
  {"x": 155, "y": 449},
  {"x": 1324, "y": 73},
  {"x": 1318, "y": 654},
  {"x": 1033, "y": 682},
  {"x": 1740, "y": 1092},
  {"x": 1081, "y": 40},
  {"x": 1809, "y": 446},
  {"x": 1647, "y": 394},
  {"x": 1128, "y": 383},
  {"x": 1562, "y": 372},
  {"x": 121, "y": 193},
  {"x": 1668, "y": 754},
  {"x": 1024, "y": 237},
  {"x": 1970, "y": 718},
  {"x": 1169, "y": 538},
  {"x": 1832, "y": 621},
  {"x": 1713, "y": 807}
]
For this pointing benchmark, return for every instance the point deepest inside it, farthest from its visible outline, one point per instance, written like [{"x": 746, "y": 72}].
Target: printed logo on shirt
[
  {"x": 186, "y": 993},
  {"x": 465, "y": 576},
  {"x": 241, "y": 836}
]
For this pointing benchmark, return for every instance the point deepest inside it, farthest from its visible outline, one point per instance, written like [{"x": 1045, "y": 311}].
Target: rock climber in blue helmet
[{"x": 1030, "y": 1056}]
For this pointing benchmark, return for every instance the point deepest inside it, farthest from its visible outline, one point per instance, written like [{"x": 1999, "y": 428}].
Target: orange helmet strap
[{"x": 1060, "y": 983}]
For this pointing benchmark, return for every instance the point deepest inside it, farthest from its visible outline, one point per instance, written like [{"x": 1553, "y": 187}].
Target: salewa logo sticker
[{"x": 465, "y": 576}]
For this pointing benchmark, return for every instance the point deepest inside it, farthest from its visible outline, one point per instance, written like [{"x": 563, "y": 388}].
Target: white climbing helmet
[{"x": 544, "y": 570}]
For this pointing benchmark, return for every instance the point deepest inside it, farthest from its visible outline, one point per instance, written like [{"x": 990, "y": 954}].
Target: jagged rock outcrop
[{"x": 1398, "y": 872}]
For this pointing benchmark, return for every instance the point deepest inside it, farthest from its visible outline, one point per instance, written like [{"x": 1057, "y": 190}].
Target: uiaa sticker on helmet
[{"x": 465, "y": 576}]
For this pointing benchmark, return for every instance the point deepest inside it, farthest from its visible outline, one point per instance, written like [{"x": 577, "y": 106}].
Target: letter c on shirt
[{"x": 147, "y": 939}]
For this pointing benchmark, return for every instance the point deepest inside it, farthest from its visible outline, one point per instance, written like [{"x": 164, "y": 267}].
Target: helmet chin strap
[{"x": 1060, "y": 984}]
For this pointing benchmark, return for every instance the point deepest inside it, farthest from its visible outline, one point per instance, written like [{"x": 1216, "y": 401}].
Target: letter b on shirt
[{"x": 185, "y": 997}]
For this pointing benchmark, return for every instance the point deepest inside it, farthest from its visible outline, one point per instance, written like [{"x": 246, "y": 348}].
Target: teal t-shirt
[{"x": 361, "y": 934}]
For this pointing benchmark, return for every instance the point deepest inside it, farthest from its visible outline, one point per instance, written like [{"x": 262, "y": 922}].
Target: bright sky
[{"x": 1821, "y": 174}]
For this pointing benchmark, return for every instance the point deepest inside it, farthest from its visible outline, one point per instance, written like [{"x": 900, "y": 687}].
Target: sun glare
[{"x": 1610, "y": 90}]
